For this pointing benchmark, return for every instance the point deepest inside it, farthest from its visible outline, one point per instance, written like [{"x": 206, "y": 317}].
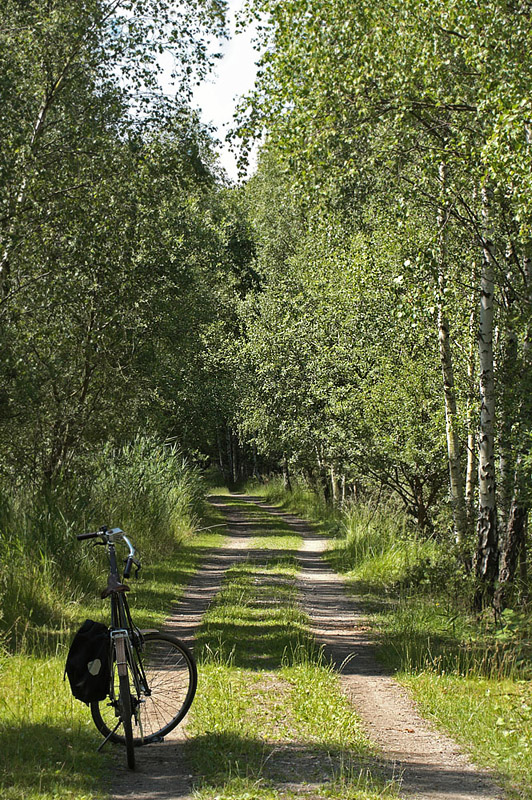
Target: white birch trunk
[
  {"x": 456, "y": 483},
  {"x": 471, "y": 415},
  {"x": 335, "y": 490},
  {"x": 487, "y": 550}
]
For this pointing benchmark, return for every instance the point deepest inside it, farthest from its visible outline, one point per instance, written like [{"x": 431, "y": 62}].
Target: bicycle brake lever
[{"x": 137, "y": 570}]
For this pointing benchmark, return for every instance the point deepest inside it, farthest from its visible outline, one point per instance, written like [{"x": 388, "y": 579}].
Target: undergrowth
[{"x": 145, "y": 488}]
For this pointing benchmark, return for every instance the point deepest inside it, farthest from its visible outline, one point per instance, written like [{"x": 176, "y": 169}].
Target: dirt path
[{"x": 430, "y": 765}]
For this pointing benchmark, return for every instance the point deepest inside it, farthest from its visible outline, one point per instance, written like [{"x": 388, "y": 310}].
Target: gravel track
[{"x": 161, "y": 772}]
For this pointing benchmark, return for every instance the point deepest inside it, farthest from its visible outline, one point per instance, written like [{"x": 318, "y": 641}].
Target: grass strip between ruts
[{"x": 271, "y": 721}]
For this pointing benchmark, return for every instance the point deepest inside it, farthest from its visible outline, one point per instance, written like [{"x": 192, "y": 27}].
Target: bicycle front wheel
[{"x": 172, "y": 679}]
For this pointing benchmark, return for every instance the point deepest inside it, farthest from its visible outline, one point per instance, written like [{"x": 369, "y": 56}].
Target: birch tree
[{"x": 487, "y": 549}]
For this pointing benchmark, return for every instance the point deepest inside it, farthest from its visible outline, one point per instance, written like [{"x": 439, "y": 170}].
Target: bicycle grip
[
  {"x": 127, "y": 568},
  {"x": 93, "y": 535}
]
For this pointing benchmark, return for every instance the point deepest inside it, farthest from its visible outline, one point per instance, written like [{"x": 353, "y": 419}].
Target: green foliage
[
  {"x": 114, "y": 236},
  {"x": 385, "y": 127},
  {"x": 340, "y": 366}
]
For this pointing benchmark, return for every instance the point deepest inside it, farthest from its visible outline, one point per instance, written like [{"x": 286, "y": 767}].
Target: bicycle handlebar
[{"x": 109, "y": 536}]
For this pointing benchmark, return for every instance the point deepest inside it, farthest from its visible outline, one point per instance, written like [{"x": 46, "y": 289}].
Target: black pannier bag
[{"x": 87, "y": 664}]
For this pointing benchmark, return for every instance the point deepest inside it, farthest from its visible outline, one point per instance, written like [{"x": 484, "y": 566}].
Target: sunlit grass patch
[
  {"x": 492, "y": 718},
  {"x": 47, "y": 739},
  {"x": 279, "y": 541},
  {"x": 322, "y": 711}
]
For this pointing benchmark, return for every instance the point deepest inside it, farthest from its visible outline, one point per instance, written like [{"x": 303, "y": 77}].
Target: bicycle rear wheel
[
  {"x": 172, "y": 679},
  {"x": 124, "y": 702}
]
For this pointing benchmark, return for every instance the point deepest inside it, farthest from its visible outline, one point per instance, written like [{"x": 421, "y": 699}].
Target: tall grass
[
  {"x": 381, "y": 549},
  {"x": 150, "y": 490},
  {"x": 146, "y": 488},
  {"x": 302, "y": 499}
]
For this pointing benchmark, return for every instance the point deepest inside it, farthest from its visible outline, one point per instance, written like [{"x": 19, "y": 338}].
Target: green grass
[
  {"x": 492, "y": 718},
  {"x": 301, "y": 500},
  {"x": 271, "y": 720},
  {"x": 471, "y": 679},
  {"x": 48, "y": 741}
]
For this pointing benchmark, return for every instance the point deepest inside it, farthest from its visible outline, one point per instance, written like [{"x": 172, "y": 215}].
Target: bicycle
[{"x": 153, "y": 675}]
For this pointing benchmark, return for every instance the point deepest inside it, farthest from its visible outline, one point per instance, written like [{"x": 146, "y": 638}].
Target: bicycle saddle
[{"x": 114, "y": 585}]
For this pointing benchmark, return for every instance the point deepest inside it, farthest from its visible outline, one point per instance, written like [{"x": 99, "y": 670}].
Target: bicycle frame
[{"x": 126, "y": 639}]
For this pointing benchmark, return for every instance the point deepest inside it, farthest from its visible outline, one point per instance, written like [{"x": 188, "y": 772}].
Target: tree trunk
[
  {"x": 335, "y": 490},
  {"x": 256, "y": 473},
  {"x": 514, "y": 537},
  {"x": 470, "y": 413},
  {"x": 514, "y": 540},
  {"x": 220, "y": 452},
  {"x": 486, "y": 558},
  {"x": 287, "y": 483},
  {"x": 456, "y": 483},
  {"x": 420, "y": 507},
  {"x": 229, "y": 451},
  {"x": 235, "y": 458},
  {"x": 523, "y": 566},
  {"x": 510, "y": 411}
]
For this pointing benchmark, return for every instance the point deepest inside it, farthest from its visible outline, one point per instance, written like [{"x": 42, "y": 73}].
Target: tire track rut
[{"x": 162, "y": 772}]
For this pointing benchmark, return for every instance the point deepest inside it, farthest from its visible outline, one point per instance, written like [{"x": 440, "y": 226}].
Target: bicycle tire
[
  {"x": 124, "y": 701},
  {"x": 172, "y": 677}
]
